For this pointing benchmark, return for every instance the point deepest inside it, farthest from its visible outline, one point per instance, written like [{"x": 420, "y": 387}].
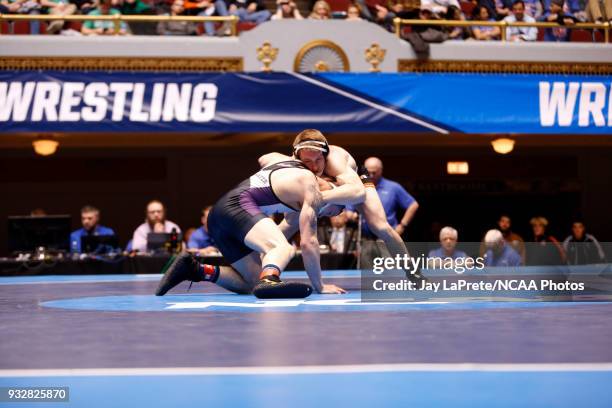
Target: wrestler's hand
[
  {"x": 332, "y": 289},
  {"x": 324, "y": 184},
  {"x": 399, "y": 228}
]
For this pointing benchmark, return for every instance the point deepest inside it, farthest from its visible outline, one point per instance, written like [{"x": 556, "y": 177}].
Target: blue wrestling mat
[
  {"x": 402, "y": 387},
  {"x": 229, "y": 302},
  {"x": 114, "y": 344}
]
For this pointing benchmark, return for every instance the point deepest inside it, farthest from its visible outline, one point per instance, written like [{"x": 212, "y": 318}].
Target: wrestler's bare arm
[
  {"x": 309, "y": 242},
  {"x": 272, "y": 158},
  {"x": 291, "y": 221},
  {"x": 308, "y": 234},
  {"x": 341, "y": 166}
]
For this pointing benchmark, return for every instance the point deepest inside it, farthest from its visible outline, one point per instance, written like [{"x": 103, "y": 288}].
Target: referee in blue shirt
[{"x": 393, "y": 197}]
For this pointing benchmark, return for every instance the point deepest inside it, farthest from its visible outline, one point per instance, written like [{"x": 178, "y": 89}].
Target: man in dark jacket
[
  {"x": 582, "y": 248},
  {"x": 339, "y": 236}
]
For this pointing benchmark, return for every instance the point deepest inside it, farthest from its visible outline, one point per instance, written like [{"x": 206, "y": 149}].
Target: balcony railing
[
  {"x": 503, "y": 25},
  {"x": 117, "y": 19}
]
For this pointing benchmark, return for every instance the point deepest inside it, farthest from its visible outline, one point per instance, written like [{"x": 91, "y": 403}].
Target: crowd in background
[
  {"x": 500, "y": 246},
  {"x": 253, "y": 12}
]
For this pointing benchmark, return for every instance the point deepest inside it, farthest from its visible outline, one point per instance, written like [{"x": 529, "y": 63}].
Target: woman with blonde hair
[
  {"x": 546, "y": 249},
  {"x": 320, "y": 11}
]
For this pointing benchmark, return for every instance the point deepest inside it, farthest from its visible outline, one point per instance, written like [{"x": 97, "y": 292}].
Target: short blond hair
[
  {"x": 322, "y": 3},
  {"x": 539, "y": 221}
]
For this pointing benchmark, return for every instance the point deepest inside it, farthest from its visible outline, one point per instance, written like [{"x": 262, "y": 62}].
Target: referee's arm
[{"x": 411, "y": 209}]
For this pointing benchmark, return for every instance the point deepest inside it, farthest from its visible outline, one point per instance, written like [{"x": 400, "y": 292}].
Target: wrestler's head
[
  {"x": 311, "y": 147},
  {"x": 314, "y": 160}
]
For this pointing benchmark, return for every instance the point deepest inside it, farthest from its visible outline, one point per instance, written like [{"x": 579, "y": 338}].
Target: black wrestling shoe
[
  {"x": 181, "y": 267},
  {"x": 271, "y": 287},
  {"x": 417, "y": 278}
]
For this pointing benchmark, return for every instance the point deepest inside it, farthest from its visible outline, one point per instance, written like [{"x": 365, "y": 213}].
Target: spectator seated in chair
[
  {"x": 155, "y": 222},
  {"x": 132, "y": 7},
  {"x": 396, "y": 8},
  {"x": 136, "y": 7},
  {"x": 25, "y": 7},
  {"x": 353, "y": 13},
  {"x": 90, "y": 218},
  {"x": 518, "y": 34},
  {"x": 448, "y": 246},
  {"x": 287, "y": 10},
  {"x": 320, "y": 11},
  {"x": 103, "y": 8},
  {"x": 557, "y": 12},
  {"x": 57, "y": 8},
  {"x": 456, "y": 33},
  {"x": 547, "y": 250},
  {"x": 582, "y": 248},
  {"x": 249, "y": 10},
  {"x": 484, "y": 33},
  {"x": 209, "y": 8},
  {"x": 498, "y": 252},
  {"x": 176, "y": 27}
]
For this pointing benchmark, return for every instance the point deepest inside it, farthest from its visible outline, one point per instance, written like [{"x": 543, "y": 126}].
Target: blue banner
[
  {"x": 227, "y": 102},
  {"x": 483, "y": 103}
]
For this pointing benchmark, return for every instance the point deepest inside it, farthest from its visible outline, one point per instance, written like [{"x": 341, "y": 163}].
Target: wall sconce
[
  {"x": 503, "y": 145},
  {"x": 45, "y": 147}
]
